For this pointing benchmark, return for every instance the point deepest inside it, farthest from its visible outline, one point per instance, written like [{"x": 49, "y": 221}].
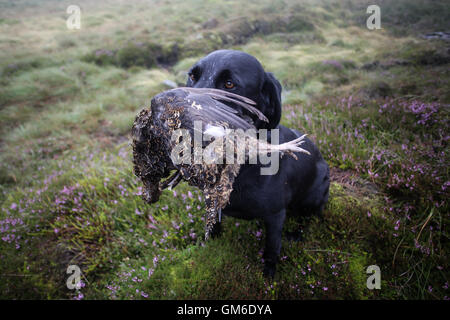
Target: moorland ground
[{"x": 376, "y": 102}]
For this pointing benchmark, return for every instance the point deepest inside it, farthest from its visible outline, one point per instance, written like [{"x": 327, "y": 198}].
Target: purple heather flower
[
  {"x": 79, "y": 297},
  {"x": 333, "y": 63}
]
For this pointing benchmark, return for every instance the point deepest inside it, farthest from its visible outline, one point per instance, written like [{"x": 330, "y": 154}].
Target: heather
[{"x": 375, "y": 102}]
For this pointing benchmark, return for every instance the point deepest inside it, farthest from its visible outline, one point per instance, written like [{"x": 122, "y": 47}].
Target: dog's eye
[
  {"x": 229, "y": 84},
  {"x": 192, "y": 77}
]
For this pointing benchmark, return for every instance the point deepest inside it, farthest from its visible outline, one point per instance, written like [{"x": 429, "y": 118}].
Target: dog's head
[{"x": 240, "y": 73}]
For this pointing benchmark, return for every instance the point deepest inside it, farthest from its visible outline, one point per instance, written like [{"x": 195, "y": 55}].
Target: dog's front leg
[
  {"x": 216, "y": 229},
  {"x": 274, "y": 225}
]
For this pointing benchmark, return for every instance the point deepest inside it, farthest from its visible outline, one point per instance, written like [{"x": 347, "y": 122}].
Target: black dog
[{"x": 299, "y": 185}]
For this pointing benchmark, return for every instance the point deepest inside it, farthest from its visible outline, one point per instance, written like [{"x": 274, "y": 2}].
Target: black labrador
[{"x": 300, "y": 186}]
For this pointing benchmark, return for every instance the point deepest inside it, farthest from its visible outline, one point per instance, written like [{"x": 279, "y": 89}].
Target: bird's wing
[
  {"x": 211, "y": 112},
  {"x": 226, "y": 96}
]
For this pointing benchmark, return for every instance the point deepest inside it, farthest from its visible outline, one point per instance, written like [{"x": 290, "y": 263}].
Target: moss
[
  {"x": 202, "y": 272},
  {"x": 357, "y": 265},
  {"x": 299, "y": 23},
  {"x": 138, "y": 55}
]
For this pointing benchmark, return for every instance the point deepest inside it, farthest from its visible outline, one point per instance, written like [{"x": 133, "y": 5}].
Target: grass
[{"x": 375, "y": 103}]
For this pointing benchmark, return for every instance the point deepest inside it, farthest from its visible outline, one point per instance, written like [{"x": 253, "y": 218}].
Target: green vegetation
[{"x": 375, "y": 102}]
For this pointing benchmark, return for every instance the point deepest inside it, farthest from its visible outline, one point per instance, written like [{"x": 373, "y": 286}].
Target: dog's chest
[{"x": 254, "y": 195}]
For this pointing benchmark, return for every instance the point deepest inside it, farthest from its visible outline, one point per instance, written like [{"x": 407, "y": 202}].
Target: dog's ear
[{"x": 271, "y": 92}]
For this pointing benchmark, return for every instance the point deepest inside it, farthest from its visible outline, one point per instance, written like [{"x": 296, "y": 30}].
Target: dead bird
[{"x": 160, "y": 145}]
